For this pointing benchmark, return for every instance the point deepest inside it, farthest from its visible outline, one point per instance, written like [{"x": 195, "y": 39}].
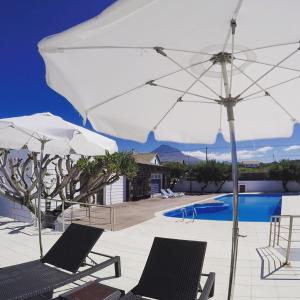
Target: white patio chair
[{"x": 175, "y": 194}]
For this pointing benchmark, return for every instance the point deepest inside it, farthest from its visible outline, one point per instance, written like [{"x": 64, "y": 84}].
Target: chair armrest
[{"x": 209, "y": 287}]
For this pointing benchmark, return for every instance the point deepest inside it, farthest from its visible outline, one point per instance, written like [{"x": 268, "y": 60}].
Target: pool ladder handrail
[
  {"x": 184, "y": 213},
  {"x": 275, "y": 235},
  {"x": 194, "y": 213}
]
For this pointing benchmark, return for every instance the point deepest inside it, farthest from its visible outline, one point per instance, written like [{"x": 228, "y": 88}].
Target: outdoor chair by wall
[
  {"x": 58, "y": 267},
  {"x": 175, "y": 194},
  {"x": 165, "y": 194},
  {"x": 172, "y": 272}
]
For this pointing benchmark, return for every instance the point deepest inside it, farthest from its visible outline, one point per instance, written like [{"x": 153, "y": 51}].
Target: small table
[{"x": 93, "y": 291}]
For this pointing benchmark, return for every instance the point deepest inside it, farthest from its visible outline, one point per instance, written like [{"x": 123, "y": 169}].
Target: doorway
[{"x": 242, "y": 188}]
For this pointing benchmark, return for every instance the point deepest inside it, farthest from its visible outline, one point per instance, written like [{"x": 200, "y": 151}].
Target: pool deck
[
  {"x": 134, "y": 212},
  {"x": 20, "y": 244},
  {"x": 288, "y": 206}
]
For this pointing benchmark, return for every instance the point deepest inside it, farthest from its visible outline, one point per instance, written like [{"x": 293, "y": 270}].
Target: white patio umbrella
[
  {"x": 182, "y": 69},
  {"x": 46, "y": 133}
]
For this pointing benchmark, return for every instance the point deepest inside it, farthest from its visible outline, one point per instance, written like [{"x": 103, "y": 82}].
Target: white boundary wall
[
  {"x": 264, "y": 186},
  {"x": 15, "y": 211}
]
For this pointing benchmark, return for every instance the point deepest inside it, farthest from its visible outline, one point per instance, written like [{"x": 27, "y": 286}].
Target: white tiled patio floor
[{"x": 133, "y": 244}]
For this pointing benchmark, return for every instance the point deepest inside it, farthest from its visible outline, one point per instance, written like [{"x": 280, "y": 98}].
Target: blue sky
[{"x": 24, "y": 91}]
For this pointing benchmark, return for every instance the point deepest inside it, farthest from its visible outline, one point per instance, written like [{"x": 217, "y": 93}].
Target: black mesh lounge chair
[
  {"x": 58, "y": 267},
  {"x": 172, "y": 272}
]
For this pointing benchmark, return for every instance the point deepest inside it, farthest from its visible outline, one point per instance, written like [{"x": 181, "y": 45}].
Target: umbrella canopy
[
  {"x": 62, "y": 137},
  {"x": 159, "y": 58},
  {"x": 46, "y": 133},
  {"x": 182, "y": 69}
]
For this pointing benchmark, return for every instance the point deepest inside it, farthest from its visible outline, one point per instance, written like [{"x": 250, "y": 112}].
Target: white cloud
[
  {"x": 292, "y": 148},
  {"x": 196, "y": 154},
  {"x": 226, "y": 156},
  {"x": 264, "y": 149}
]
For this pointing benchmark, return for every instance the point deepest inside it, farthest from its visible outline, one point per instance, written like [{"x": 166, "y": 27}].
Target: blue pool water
[{"x": 252, "y": 208}]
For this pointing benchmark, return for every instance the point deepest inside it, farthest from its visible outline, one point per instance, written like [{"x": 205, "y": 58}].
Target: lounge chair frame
[
  {"x": 164, "y": 280},
  {"x": 165, "y": 194},
  {"x": 37, "y": 278},
  {"x": 207, "y": 291}
]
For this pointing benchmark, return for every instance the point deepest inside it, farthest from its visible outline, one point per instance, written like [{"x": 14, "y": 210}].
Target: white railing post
[
  {"x": 271, "y": 227},
  {"x": 112, "y": 218},
  {"x": 288, "y": 250},
  {"x": 278, "y": 233},
  {"x": 275, "y": 226}
]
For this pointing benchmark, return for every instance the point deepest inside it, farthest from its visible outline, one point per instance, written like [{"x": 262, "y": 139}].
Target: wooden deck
[{"x": 132, "y": 213}]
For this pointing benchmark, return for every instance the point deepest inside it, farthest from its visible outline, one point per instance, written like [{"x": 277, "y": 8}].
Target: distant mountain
[{"x": 167, "y": 154}]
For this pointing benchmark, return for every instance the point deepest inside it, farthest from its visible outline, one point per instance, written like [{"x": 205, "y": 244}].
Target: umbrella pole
[
  {"x": 235, "y": 225},
  {"x": 39, "y": 196},
  {"x": 229, "y": 102}
]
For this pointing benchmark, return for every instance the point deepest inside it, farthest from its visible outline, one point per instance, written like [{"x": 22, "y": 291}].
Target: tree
[
  {"x": 285, "y": 170},
  {"x": 212, "y": 172},
  {"x": 177, "y": 171},
  {"x": 224, "y": 171},
  {"x": 66, "y": 178},
  {"x": 19, "y": 177}
]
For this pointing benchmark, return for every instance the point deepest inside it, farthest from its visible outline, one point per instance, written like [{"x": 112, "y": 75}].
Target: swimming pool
[{"x": 252, "y": 208}]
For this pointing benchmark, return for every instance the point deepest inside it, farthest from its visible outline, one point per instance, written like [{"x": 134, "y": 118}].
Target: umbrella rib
[
  {"x": 160, "y": 51},
  {"x": 221, "y": 92},
  {"x": 267, "y": 94},
  {"x": 183, "y": 94},
  {"x": 266, "y": 47},
  {"x": 293, "y": 119},
  {"x": 141, "y": 85},
  {"x": 233, "y": 27},
  {"x": 34, "y": 134},
  {"x": 186, "y": 92},
  {"x": 196, "y": 80},
  {"x": 182, "y": 69},
  {"x": 269, "y": 71},
  {"x": 94, "y": 47},
  {"x": 165, "y": 115},
  {"x": 273, "y": 86},
  {"x": 201, "y": 102},
  {"x": 220, "y": 119},
  {"x": 266, "y": 64},
  {"x": 187, "y": 51},
  {"x": 221, "y": 86},
  {"x": 254, "y": 98},
  {"x": 113, "y": 98},
  {"x": 190, "y": 73}
]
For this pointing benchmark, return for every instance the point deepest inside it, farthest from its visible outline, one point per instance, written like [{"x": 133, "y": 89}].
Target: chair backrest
[
  {"x": 164, "y": 192},
  {"x": 172, "y": 270},
  {"x": 170, "y": 192},
  {"x": 71, "y": 249}
]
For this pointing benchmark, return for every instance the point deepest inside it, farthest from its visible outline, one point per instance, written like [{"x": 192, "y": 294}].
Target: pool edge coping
[{"x": 161, "y": 212}]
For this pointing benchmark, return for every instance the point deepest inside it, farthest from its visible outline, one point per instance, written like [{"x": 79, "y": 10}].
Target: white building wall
[
  {"x": 267, "y": 186},
  {"x": 116, "y": 192}
]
